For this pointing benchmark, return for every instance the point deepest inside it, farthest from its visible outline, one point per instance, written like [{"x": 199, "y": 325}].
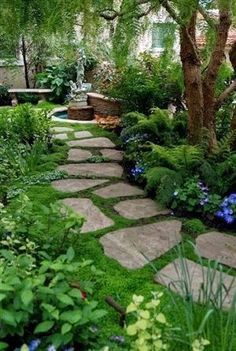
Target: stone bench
[{"x": 42, "y": 93}]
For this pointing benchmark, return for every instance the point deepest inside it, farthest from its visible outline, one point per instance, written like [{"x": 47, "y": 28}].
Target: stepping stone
[
  {"x": 118, "y": 190},
  {"x": 93, "y": 142},
  {"x": 78, "y": 155},
  {"x": 93, "y": 169},
  {"x": 135, "y": 247},
  {"x": 219, "y": 247},
  {"x": 187, "y": 277},
  {"x": 114, "y": 155},
  {"x": 139, "y": 208},
  {"x": 75, "y": 185},
  {"x": 60, "y": 136},
  {"x": 95, "y": 219},
  {"x": 82, "y": 134},
  {"x": 61, "y": 130}
]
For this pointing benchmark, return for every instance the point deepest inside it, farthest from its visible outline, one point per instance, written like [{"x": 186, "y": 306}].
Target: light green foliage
[
  {"x": 149, "y": 331},
  {"x": 131, "y": 119},
  {"x": 194, "y": 226},
  {"x": 40, "y": 296},
  {"x": 98, "y": 159}
]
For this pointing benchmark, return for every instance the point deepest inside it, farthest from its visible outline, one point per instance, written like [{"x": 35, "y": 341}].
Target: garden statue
[{"x": 81, "y": 60}]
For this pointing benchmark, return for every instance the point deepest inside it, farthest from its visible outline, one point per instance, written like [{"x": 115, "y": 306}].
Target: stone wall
[
  {"x": 104, "y": 106},
  {"x": 14, "y": 77}
]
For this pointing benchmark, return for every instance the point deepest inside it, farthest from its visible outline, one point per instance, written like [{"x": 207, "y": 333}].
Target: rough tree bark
[
  {"x": 192, "y": 79},
  {"x": 24, "y": 55},
  {"x": 210, "y": 76}
]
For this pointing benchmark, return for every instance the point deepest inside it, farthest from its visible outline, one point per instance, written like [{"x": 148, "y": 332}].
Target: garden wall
[{"x": 103, "y": 105}]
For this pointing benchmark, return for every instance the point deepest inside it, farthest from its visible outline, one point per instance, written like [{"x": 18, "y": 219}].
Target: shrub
[
  {"x": 57, "y": 78},
  {"x": 24, "y": 98},
  {"x": 194, "y": 226},
  {"x": 147, "y": 83},
  {"x": 131, "y": 119},
  {"x": 5, "y": 98},
  {"x": 25, "y": 125},
  {"x": 41, "y": 298}
]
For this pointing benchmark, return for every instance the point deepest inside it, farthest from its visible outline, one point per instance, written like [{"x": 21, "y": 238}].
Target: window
[{"x": 161, "y": 32}]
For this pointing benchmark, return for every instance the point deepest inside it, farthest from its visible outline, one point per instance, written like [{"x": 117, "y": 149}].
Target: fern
[
  {"x": 182, "y": 158},
  {"x": 154, "y": 177}
]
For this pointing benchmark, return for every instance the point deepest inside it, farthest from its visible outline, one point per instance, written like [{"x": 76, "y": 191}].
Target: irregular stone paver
[
  {"x": 61, "y": 129},
  {"x": 114, "y": 155},
  {"x": 78, "y": 155},
  {"x": 62, "y": 136},
  {"x": 93, "y": 142},
  {"x": 219, "y": 247},
  {"x": 118, "y": 190},
  {"x": 82, "y": 134},
  {"x": 135, "y": 247},
  {"x": 93, "y": 169},
  {"x": 95, "y": 219},
  {"x": 139, "y": 208},
  {"x": 182, "y": 272},
  {"x": 74, "y": 185}
]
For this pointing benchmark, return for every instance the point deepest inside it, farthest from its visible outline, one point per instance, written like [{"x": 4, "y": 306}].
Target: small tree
[{"x": 200, "y": 75}]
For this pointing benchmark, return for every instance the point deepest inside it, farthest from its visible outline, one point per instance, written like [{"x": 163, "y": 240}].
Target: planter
[{"x": 104, "y": 106}]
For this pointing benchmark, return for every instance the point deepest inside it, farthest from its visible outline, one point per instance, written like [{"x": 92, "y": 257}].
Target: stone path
[
  {"x": 75, "y": 185},
  {"x": 139, "y": 208},
  {"x": 118, "y": 190},
  {"x": 197, "y": 278},
  {"x": 134, "y": 247},
  {"x": 78, "y": 155},
  {"x": 93, "y": 169},
  {"x": 219, "y": 247},
  {"x": 95, "y": 219},
  {"x": 92, "y": 142},
  {"x": 114, "y": 155}
]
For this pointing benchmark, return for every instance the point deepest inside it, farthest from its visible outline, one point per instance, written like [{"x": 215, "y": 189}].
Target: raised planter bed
[{"x": 103, "y": 105}]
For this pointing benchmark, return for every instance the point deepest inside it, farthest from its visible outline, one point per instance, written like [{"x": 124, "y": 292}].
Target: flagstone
[
  {"x": 94, "y": 217},
  {"x": 78, "y": 155},
  {"x": 219, "y": 247},
  {"x": 139, "y": 208},
  {"x": 114, "y": 155},
  {"x": 62, "y": 136},
  {"x": 75, "y": 185},
  {"x": 135, "y": 247},
  {"x": 93, "y": 142},
  {"x": 82, "y": 134},
  {"x": 61, "y": 129},
  {"x": 118, "y": 190},
  {"x": 192, "y": 279},
  {"x": 93, "y": 169}
]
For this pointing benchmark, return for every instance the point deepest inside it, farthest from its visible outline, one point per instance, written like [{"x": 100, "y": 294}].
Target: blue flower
[
  {"x": 51, "y": 348},
  {"x": 34, "y": 344}
]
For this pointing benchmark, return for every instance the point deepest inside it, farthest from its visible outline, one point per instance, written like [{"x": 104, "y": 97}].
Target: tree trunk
[
  {"x": 192, "y": 78},
  {"x": 24, "y": 55},
  {"x": 209, "y": 81}
]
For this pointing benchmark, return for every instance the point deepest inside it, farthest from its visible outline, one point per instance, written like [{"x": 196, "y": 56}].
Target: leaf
[
  {"x": 2, "y": 297},
  {"x": 8, "y": 317},
  {"x": 24, "y": 348},
  {"x": 98, "y": 314},
  {"x": 67, "y": 300},
  {"x": 132, "y": 330},
  {"x": 70, "y": 254},
  {"x": 71, "y": 316},
  {"x": 3, "y": 345},
  {"x": 142, "y": 324},
  {"x": 66, "y": 328},
  {"x": 44, "y": 327},
  {"x": 131, "y": 308},
  {"x": 144, "y": 314},
  {"x": 26, "y": 297},
  {"x": 161, "y": 318}
]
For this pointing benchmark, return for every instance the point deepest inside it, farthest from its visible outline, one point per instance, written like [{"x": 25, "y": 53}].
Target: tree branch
[
  {"x": 218, "y": 53},
  {"x": 223, "y": 96},
  {"x": 207, "y": 17}
]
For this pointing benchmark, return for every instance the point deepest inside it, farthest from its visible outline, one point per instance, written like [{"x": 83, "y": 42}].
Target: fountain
[{"x": 78, "y": 108}]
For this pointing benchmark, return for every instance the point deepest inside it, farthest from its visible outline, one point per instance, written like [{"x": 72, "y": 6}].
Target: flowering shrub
[
  {"x": 194, "y": 196},
  {"x": 227, "y": 210}
]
